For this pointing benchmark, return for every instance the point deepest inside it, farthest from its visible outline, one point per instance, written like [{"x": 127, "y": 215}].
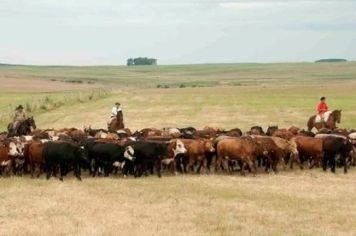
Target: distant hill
[{"x": 331, "y": 60}]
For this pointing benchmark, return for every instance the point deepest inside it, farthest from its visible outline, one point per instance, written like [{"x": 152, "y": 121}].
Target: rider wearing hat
[{"x": 19, "y": 117}]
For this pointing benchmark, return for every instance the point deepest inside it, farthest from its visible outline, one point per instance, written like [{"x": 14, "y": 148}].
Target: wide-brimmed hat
[{"x": 20, "y": 107}]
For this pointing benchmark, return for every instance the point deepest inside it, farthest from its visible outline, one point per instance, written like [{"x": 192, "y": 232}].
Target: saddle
[{"x": 324, "y": 118}]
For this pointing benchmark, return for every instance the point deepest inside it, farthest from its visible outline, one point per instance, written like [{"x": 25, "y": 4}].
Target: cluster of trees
[
  {"x": 331, "y": 60},
  {"x": 140, "y": 61}
]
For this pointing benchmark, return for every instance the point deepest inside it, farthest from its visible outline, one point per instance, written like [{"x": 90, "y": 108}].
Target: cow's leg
[
  {"x": 205, "y": 165},
  {"x": 77, "y": 172},
  {"x": 268, "y": 162},
  {"x": 49, "y": 171},
  {"x": 136, "y": 170},
  {"x": 225, "y": 166},
  {"x": 345, "y": 162},
  {"x": 259, "y": 161},
  {"x": 94, "y": 167},
  {"x": 315, "y": 161},
  {"x": 252, "y": 165},
  {"x": 275, "y": 164},
  {"x": 243, "y": 166},
  {"x": 39, "y": 170},
  {"x": 158, "y": 167},
  {"x": 61, "y": 171},
  {"x": 191, "y": 161},
  {"x": 200, "y": 164},
  {"x": 333, "y": 162},
  {"x": 33, "y": 167},
  {"x": 125, "y": 169},
  {"x": 178, "y": 167},
  {"x": 325, "y": 161},
  {"x": 218, "y": 164}
]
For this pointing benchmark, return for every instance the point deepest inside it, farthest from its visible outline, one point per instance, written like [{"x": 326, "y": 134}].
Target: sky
[{"x": 102, "y": 32}]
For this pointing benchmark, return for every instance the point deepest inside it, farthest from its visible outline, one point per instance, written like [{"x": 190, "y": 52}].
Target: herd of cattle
[{"x": 173, "y": 150}]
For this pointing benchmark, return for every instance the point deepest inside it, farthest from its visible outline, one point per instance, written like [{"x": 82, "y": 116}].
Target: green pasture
[
  {"x": 190, "y": 75},
  {"x": 226, "y": 95}
]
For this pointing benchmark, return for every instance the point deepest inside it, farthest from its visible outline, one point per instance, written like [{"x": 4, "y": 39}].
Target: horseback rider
[
  {"x": 322, "y": 108},
  {"x": 117, "y": 108},
  {"x": 19, "y": 117}
]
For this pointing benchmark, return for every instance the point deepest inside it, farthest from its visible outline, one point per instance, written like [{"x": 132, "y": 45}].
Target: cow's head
[
  {"x": 84, "y": 156},
  {"x": 179, "y": 148},
  {"x": 129, "y": 153},
  {"x": 15, "y": 149},
  {"x": 208, "y": 146}
]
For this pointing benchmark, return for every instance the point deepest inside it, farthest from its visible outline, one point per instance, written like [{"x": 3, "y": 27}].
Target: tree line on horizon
[{"x": 141, "y": 61}]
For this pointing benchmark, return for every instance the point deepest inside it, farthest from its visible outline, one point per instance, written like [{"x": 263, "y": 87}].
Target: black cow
[
  {"x": 187, "y": 132},
  {"x": 107, "y": 156},
  {"x": 333, "y": 146},
  {"x": 148, "y": 155},
  {"x": 65, "y": 156}
]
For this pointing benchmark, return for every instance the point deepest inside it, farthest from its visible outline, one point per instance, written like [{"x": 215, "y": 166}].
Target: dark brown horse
[
  {"x": 334, "y": 117},
  {"x": 117, "y": 123},
  {"x": 24, "y": 128}
]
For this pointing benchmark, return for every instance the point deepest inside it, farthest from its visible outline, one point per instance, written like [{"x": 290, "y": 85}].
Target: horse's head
[
  {"x": 31, "y": 122},
  {"x": 337, "y": 115}
]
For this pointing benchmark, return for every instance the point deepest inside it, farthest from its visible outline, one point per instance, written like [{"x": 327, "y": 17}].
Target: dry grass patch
[{"x": 293, "y": 203}]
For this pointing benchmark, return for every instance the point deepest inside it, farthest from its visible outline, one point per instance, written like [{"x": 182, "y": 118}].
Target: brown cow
[
  {"x": 289, "y": 148},
  {"x": 198, "y": 151},
  {"x": 309, "y": 148},
  {"x": 35, "y": 157},
  {"x": 283, "y": 133},
  {"x": 294, "y": 130},
  {"x": 77, "y": 135},
  {"x": 274, "y": 153},
  {"x": 242, "y": 149}
]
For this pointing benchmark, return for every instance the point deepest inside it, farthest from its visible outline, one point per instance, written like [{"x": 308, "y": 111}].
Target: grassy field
[
  {"x": 226, "y": 95},
  {"x": 290, "y": 203},
  {"x": 307, "y": 202},
  {"x": 189, "y": 75}
]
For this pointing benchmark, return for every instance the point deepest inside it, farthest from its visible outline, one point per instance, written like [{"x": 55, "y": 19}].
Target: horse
[
  {"x": 117, "y": 123},
  {"x": 334, "y": 117},
  {"x": 25, "y": 127}
]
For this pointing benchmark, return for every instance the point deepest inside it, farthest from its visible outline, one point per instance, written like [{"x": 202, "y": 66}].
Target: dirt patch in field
[{"x": 35, "y": 85}]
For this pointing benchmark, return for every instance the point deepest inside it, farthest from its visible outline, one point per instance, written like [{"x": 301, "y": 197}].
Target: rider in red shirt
[{"x": 322, "y": 107}]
